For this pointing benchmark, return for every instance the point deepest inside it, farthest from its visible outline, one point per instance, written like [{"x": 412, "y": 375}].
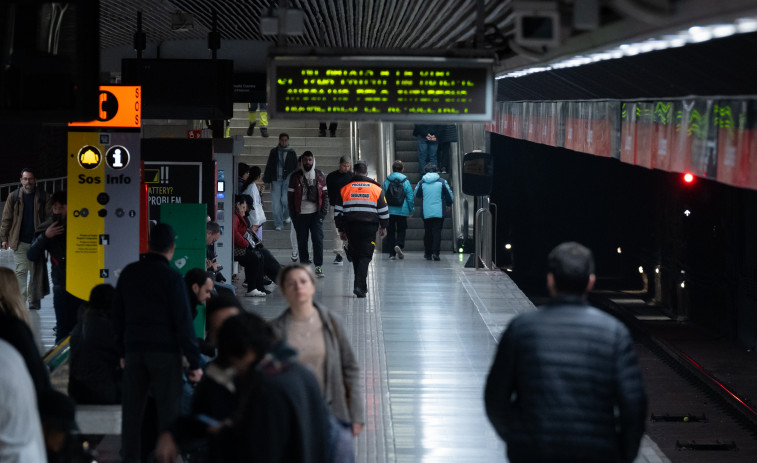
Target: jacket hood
[
  {"x": 397, "y": 176},
  {"x": 431, "y": 177}
]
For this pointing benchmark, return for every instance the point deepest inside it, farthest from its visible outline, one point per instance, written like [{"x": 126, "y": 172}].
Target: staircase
[
  {"x": 303, "y": 136},
  {"x": 406, "y": 150}
]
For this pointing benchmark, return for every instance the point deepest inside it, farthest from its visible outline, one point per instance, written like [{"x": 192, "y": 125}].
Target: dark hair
[
  {"x": 254, "y": 175},
  {"x": 344, "y": 160},
  {"x": 283, "y": 134},
  {"x": 58, "y": 197},
  {"x": 196, "y": 276},
  {"x": 431, "y": 168},
  {"x": 101, "y": 298},
  {"x": 239, "y": 199},
  {"x": 213, "y": 227},
  {"x": 242, "y": 168},
  {"x": 360, "y": 167},
  {"x": 244, "y": 332},
  {"x": 248, "y": 200},
  {"x": 570, "y": 264},
  {"x": 397, "y": 166},
  {"x": 255, "y": 172},
  {"x": 27, "y": 169},
  {"x": 307, "y": 154},
  {"x": 222, "y": 301},
  {"x": 162, "y": 238}
]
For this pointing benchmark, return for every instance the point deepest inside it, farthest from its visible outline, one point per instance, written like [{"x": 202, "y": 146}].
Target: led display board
[{"x": 409, "y": 88}]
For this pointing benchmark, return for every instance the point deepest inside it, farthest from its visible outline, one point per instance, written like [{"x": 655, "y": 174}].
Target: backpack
[{"x": 395, "y": 193}]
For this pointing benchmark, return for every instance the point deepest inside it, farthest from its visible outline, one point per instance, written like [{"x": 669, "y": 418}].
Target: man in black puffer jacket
[{"x": 565, "y": 384}]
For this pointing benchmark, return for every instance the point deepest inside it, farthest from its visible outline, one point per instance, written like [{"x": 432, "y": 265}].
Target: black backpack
[{"x": 395, "y": 193}]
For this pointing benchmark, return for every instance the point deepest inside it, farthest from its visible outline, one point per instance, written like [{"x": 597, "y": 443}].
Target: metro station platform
[{"x": 424, "y": 338}]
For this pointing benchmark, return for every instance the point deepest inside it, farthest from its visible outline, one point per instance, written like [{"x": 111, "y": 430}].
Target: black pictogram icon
[
  {"x": 108, "y": 106},
  {"x": 105, "y": 240},
  {"x": 84, "y": 212},
  {"x": 117, "y": 157},
  {"x": 102, "y": 212},
  {"x": 103, "y": 198},
  {"x": 119, "y": 212},
  {"x": 104, "y": 273}
]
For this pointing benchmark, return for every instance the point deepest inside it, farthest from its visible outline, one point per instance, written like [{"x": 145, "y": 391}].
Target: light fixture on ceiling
[{"x": 694, "y": 34}]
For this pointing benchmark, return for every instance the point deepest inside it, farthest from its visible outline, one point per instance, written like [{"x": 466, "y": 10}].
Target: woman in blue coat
[{"x": 437, "y": 196}]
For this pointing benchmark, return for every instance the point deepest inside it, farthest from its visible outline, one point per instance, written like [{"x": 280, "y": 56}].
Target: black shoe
[
  {"x": 427, "y": 256},
  {"x": 338, "y": 260},
  {"x": 435, "y": 257},
  {"x": 250, "y": 129},
  {"x": 321, "y": 133},
  {"x": 264, "y": 290},
  {"x": 358, "y": 292},
  {"x": 267, "y": 281},
  {"x": 264, "y": 132}
]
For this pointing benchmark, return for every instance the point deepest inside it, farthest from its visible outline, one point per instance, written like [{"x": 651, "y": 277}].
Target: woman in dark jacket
[{"x": 95, "y": 376}]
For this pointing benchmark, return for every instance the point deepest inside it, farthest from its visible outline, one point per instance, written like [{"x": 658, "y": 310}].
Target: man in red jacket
[{"x": 308, "y": 204}]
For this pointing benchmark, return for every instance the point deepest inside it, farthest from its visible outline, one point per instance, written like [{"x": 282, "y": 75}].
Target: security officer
[{"x": 362, "y": 210}]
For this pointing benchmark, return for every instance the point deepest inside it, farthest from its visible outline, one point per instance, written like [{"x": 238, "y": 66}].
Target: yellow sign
[
  {"x": 119, "y": 107},
  {"x": 85, "y": 225}
]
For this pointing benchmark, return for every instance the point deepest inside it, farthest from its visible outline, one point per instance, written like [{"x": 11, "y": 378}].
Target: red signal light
[{"x": 688, "y": 177}]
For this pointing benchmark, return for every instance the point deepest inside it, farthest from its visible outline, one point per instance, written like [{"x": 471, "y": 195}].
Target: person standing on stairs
[
  {"x": 258, "y": 112},
  {"x": 282, "y": 161},
  {"x": 334, "y": 182}
]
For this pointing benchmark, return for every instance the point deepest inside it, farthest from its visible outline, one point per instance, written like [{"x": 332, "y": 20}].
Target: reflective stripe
[
  {"x": 364, "y": 203},
  {"x": 337, "y": 207},
  {"x": 383, "y": 209},
  {"x": 290, "y": 189},
  {"x": 360, "y": 209},
  {"x": 384, "y": 216}
]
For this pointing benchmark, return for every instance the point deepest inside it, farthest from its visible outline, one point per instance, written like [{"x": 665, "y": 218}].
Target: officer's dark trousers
[
  {"x": 361, "y": 238},
  {"x": 157, "y": 373}
]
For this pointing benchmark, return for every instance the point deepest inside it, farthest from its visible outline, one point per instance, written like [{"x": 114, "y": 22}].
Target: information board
[{"x": 409, "y": 88}]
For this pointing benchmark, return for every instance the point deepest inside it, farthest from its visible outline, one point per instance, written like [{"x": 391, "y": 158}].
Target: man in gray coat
[{"x": 565, "y": 384}]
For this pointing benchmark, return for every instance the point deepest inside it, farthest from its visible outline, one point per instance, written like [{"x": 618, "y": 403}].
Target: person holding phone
[{"x": 51, "y": 237}]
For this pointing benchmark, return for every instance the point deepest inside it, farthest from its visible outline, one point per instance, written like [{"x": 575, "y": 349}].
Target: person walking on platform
[
  {"x": 437, "y": 198},
  {"x": 308, "y": 205},
  {"x": 153, "y": 325},
  {"x": 334, "y": 182},
  {"x": 361, "y": 211},
  {"x": 319, "y": 337},
  {"x": 282, "y": 161},
  {"x": 251, "y": 189},
  {"x": 51, "y": 237},
  {"x": 565, "y": 384},
  {"x": 24, "y": 210},
  {"x": 399, "y": 198}
]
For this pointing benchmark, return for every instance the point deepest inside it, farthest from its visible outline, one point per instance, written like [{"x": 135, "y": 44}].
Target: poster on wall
[{"x": 172, "y": 183}]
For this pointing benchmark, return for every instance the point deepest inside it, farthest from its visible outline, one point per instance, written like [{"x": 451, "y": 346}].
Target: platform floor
[{"x": 424, "y": 337}]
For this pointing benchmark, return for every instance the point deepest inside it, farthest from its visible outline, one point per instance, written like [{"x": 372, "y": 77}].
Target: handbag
[{"x": 239, "y": 252}]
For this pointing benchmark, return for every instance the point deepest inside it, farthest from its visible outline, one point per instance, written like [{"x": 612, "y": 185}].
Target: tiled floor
[{"x": 424, "y": 337}]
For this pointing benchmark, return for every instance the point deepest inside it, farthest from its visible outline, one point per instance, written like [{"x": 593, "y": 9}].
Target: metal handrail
[
  {"x": 50, "y": 185},
  {"x": 483, "y": 239}
]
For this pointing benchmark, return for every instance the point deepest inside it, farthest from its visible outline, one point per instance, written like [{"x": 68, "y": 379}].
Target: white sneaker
[
  {"x": 398, "y": 251},
  {"x": 288, "y": 220},
  {"x": 255, "y": 293}
]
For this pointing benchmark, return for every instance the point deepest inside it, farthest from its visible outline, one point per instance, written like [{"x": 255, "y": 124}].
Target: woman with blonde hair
[
  {"x": 321, "y": 341},
  {"x": 14, "y": 328}
]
